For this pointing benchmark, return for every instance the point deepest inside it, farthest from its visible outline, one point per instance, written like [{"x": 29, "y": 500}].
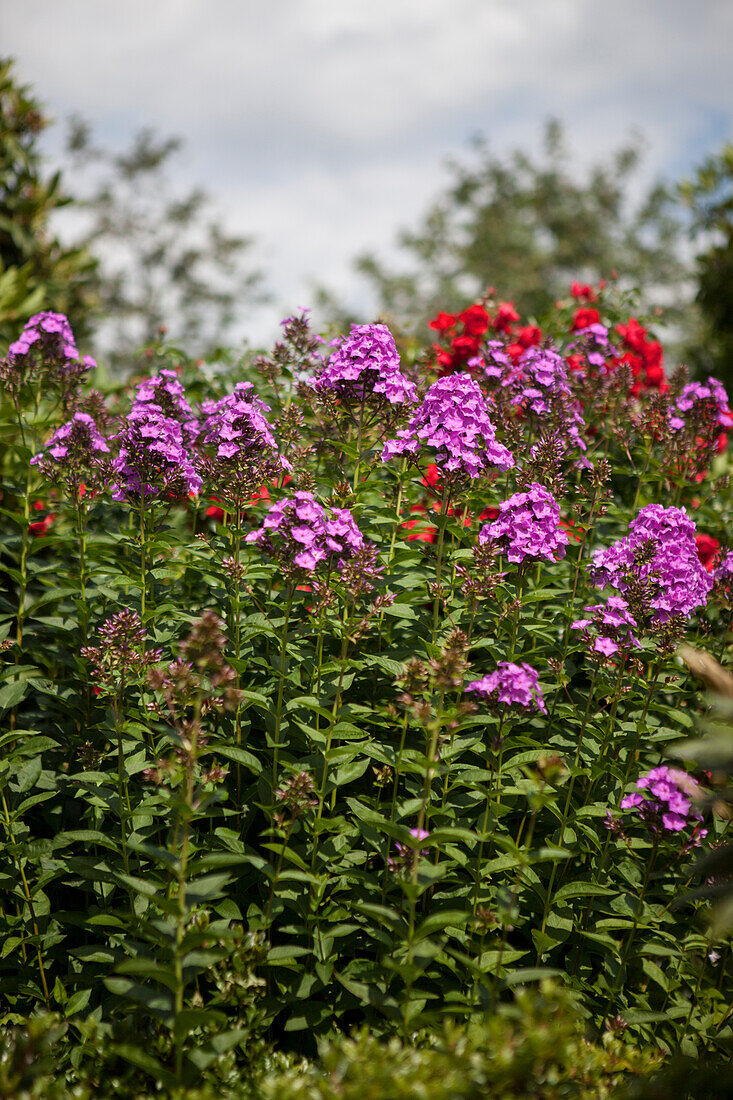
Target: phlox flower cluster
[
  {"x": 511, "y": 685},
  {"x": 667, "y": 805},
  {"x": 300, "y": 533},
  {"x": 453, "y": 422},
  {"x": 152, "y": 460},
  {"x": 540, "y": 385},
  {"x": 659, "y": 553},
  {"x": 527, "y": 528},
  {"x": 610, "y": 627},
  {"x": 709, "y": 398},
  {"x": 239, "y": 449},
  {"x": 46, "y": 350},
  {"x": 166, "y": 392},
  {"x": 74, "y": 453},
  {"x": 365, "y": 366}
]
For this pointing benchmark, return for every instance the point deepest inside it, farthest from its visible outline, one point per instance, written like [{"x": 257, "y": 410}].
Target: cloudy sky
[{"x": 322, "y": 126}]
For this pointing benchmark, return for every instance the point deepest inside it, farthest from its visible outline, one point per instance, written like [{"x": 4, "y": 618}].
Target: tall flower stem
[
  {"x": 281, "y": 685},
  {"x": 393, "y": 803},
  {"x": 632, "y": 933},
  {"x": 443, "y": 521},
  {"x": 568, "y": 800},
  {"x": 29, "y": 902}
]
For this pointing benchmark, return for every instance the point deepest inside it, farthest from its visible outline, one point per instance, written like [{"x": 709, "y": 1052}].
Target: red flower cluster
[
  {"x": 462, "y": 333},
  {"x": 583, "y": 291},
  {"x": 644, "y": 356},
  {"x": 584, "y": 317},
  {"x": 39, "y": 527}
]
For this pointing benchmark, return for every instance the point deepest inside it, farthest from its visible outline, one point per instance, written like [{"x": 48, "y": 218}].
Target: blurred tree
[
  {"x": 709, "y": 195},
  {"x": 36, "y": 270},
  {"x": 528, "y": 227},
  {"x": 163, "y": 259}
]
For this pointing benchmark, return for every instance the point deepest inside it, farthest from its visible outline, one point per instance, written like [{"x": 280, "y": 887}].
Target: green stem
[
  {"x": 281, "y": 686},
  {"x": 28, "y": 900}
]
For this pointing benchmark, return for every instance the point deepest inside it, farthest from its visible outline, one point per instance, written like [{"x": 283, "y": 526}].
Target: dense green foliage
[{"x": 312, "y": 825}]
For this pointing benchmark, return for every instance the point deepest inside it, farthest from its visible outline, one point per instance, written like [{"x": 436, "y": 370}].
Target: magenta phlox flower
[
  {"x": 46, "y": 350},
  {"x": 365, "y": 365},
  {"x": 302, "y": 534},
  {"x": 166, "y": 391},
  {"x": 527, "y": 528},
  {"x": 236, "y": 425},
  {"x": 453, "y": 423},
  {"x": 152, "y": 460},
  {"x": 701, "y": 396},
  {"x": 74, "y": 453},
  {"x": 668, "y": 805},
  {"x": 510, "y": 685},
  {"x": 660, "y": 549},
  {"x": 594, "y": 344},
  {"x": 610, "y": 627}
]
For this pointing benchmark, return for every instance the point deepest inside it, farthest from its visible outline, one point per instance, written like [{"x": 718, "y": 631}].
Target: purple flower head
[
  {"x": 596, "y": 347},
  {"x": 496, "y": 364},
  {"x": 659, "y": 551},
  {"x": 301, "y": 534},
  {"x": 239, "y": 449},
  {"x": 511, "y": 685},
  {"x": 453, "y": 422},
  {"x": 609, "y": 629},
  {"x": 74, "y": 454},
  {"x": 166, "y": 391},
  {"x": 527, "y": 528},
  {"x": 46, "y": 351},
  {"x": 702, "y": 400},
  {"x": 366, "y": 365},
  {"x": 539, "y": 385},
  {"x": 152, "y": 460},
  {"x": 405, "y": 854},
  {"x": 668, "y": 804}
]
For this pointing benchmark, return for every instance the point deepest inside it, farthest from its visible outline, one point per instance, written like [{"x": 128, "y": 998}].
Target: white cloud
[{"x": 321, "y": 125}]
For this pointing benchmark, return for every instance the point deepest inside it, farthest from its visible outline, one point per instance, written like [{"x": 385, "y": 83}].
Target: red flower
[
  {"x": 506, "y": 315},
  {"x": 475, "y": 320},
  {"x": 570, "y": 527},
  {"x": 442, "y": 322},
  {"x": 574, "y": 362},
  {"x": 489, "y": 513},
  {"x": 529, "y": 336},
  {"x": 463, "y": 346},
  {"x": 584, "y": 317},
  {"x": 707, "y": 548},
  {"x": 721, "y": 443},
  {"x": 418, "y": 530},
  {"x": 633, "y": 335},
  {"x": 583, "y": 291},
  {"x": 40, "y": 527},
  {"x": 433, "y": 478}
]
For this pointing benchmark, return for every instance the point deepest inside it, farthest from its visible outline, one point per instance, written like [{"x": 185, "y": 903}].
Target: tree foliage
[
  {"x": 709, "y": 196},
  {"x": 165, "y": 259},
  {"x": 36, "y": 269}
]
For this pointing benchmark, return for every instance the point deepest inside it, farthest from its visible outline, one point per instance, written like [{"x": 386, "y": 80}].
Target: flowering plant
[{"x": 390, "y": 737}]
